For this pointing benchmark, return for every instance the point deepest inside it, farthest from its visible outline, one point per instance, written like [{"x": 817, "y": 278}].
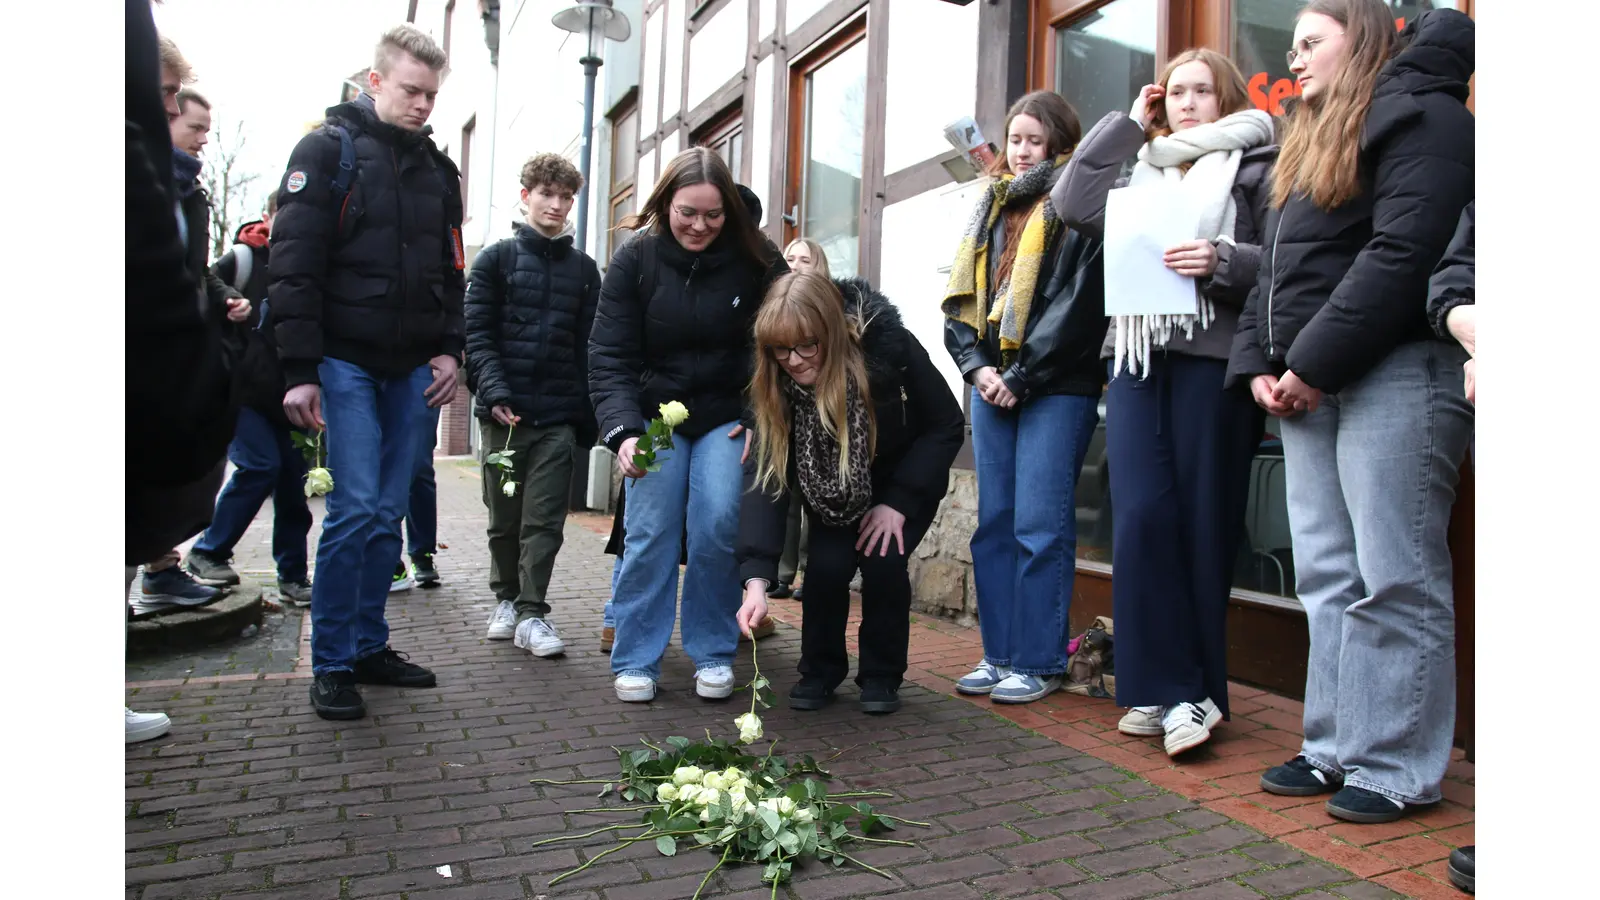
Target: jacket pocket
[{"x": 358, "y": 290}]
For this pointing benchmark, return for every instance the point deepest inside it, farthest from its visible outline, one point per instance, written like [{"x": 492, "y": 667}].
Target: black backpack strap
[{"x": 647, "y": 267}]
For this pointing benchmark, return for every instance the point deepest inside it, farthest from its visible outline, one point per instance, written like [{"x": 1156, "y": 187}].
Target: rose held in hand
[
  {"x": 658, "y": 435},
  {"x": 674, "y": 414},
  {"x": 319, "y": 481}
]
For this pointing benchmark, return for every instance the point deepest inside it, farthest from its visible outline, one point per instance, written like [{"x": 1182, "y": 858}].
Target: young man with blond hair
[
  {"x": 365, "y": 290},
  {"x": 530, "y": 306}
]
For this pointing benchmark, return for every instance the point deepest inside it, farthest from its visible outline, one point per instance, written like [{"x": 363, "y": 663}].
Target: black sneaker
[
  {"x": 389, "y": 666},
  {"x": 799, "y": 592},
  {"x": 1463, "y": 868},
  {"x": 422, "y": 566},
  {"x": 209, "y": 571},
  {"x": 334, "y": 696},
  {"x": 879, "y": 697},
  {"x": 810, "y": 693},
  {"x": 781, "y": 592},
  {"x": 177, "y": 587},
  {"x": 1364, "y": 807},
  {"x": 1299, "y": 778}
]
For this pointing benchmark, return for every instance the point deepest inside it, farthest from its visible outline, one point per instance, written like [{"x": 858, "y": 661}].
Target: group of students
[{"x": 1317, "y": 239}]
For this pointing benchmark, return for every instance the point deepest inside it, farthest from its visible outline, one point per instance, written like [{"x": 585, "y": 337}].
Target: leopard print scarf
[{"x": 837, "y": 502}]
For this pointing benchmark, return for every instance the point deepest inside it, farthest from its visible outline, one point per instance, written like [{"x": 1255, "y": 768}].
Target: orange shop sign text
[{"x": 1268, "y": 95}]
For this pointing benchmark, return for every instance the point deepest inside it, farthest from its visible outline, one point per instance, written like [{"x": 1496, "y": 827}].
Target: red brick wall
[{"x": 455, "y": 422}]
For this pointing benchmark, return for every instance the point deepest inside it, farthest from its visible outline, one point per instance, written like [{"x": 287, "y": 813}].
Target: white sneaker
[
  {"x": 983, "y": 679},
  {"x": 539, "y": 638},
  {"x": 1143, "y": 721},
  {"x": 714, "y": 682},
  {"x": 403, "y": 580},
  {"x": 635, "y": 688},
  {"x": 145, "y": 726},
  {"x": 1188, "y": 725},
  {"x": 503, "y": 621}
]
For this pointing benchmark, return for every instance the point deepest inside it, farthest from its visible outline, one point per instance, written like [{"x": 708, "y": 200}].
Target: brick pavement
[{"x": 252, "y": 796}]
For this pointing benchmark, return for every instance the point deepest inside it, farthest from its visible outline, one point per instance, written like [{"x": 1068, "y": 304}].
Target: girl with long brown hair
[
  {"x": 1376, "y": 167},
  {"x": 1179, "y": 445},
  {"x": 673, "y": 324},
  {"x": 1024, "y": 319},
  {"x": 855, "y": 423}
]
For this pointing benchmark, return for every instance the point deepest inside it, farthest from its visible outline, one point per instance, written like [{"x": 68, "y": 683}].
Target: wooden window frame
[
  {"x": 617, "y": 192},
  {"x": 1179, "y": 24},
  {"x": 721, "y": 127},
  {"x": 849, "y": 34}
]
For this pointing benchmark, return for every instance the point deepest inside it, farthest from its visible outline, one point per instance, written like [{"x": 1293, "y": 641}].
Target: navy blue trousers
[{"x": 1179, "y": 450}]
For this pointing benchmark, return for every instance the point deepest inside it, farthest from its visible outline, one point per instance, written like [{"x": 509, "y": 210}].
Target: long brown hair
[
  {"x": 819, "y": 259},
  {"x": 1232, "y": 93},
  {"x": 1060, "y": 123},
  {"x": 698, "y": 165},
  {"x": 1321, "y": 152},
  {"x": 800, "y": 307}
]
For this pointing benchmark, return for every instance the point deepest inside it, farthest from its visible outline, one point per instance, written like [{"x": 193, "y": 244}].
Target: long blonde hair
[
  {"x": 819, "y": 259},
  {"x": 1321, "y": 152},
  {"x": 800, "y": 307}
]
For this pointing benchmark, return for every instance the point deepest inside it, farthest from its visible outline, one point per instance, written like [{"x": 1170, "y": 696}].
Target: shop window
[
  {"x": 828, "y": 121},
  {"x": 1263, "y": 30},
  {"x": 1098, "y": 56}
]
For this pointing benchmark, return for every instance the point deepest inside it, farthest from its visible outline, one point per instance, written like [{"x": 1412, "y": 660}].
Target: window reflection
[
  {"x": 1105, "y": 57},
  {"x": 835, "y": 130}
]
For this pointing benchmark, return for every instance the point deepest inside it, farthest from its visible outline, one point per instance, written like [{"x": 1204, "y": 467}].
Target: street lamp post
[{"x": 596, "y": 21}]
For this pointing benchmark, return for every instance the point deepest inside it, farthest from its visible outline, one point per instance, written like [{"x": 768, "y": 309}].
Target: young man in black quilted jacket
[{"x": 530, "y": 305}]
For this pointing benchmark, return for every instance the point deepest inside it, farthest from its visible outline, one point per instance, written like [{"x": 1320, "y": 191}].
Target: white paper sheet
[{"x": 1141, "y": 223}]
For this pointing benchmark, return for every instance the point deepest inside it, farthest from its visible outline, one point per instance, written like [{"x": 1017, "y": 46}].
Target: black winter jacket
[
  {"x": 1060, "y": 351},
  {"x": 1454, "y": 283},
  {"x": 689, "y": 340},
  {"x": 227, "y": 267},
  {"x": 1340, "y": 289},
  {"x": 1093, "y": 171},
  {"x": 180, "y": 418},
  {"x": 382, "y": 290},
  {"x": 920, "y": 431},
  {"x": 528, "y": 340}
]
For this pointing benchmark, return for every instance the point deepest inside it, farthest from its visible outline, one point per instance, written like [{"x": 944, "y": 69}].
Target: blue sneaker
[
  {"x": 1018, "y": 688},
  {"x": 983, "y": 679}
]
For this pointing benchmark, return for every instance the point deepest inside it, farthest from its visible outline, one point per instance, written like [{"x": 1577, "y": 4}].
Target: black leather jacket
[{"x": 1060, "y": 351}]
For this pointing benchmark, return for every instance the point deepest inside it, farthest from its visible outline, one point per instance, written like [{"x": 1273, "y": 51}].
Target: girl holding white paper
[
  {"x": 1025, "y": 315},
  {"x": 1179, "y": 445}
]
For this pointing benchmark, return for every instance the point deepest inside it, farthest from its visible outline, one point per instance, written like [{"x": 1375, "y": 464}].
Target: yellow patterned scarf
[{"x": 968, "y": 289}]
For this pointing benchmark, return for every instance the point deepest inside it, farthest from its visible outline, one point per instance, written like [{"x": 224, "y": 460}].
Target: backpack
[
  {"x": 243, "y": 259},
  {"x": 344, "y": 177},
  {"x": 1091, "y": 661}
]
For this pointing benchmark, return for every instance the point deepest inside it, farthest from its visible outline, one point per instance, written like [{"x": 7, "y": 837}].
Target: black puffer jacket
[
  {"x": 1060, "y": 351},
  {"x": 1454, "y": 282},
  {"x": 1093, "y": 172},
  {"x": 920, "y": 430},
  {"x": 1340, "y": 289},
  {"x": 675, "y": 325},
  {"x": 382, "y": 290},
  {"x": 528, "y": 339}
]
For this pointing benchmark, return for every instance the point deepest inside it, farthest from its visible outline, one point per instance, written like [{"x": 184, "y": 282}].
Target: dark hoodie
[
  {"x": 1340, "y": 289},
  {"x": 374, "y": 278},
  {"x": 920, "y": 430}
]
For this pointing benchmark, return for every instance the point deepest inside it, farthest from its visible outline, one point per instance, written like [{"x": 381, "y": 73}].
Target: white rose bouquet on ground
[{"x": 745, "y": 809}]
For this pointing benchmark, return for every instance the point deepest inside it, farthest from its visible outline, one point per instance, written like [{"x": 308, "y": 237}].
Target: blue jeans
[
  {"x": 700, "y": 474},
  {"x": 608, "y": 617},
  {"x": 266, "y": 463},
  {"x": 372, "y": 447},
  {"x": 422, "y": 517},
  {"x": 1371, "y": 480},
  {"x": 1024, "y": 549}
]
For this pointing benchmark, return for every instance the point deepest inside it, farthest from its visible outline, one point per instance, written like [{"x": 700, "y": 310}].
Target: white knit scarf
[{"x": 1215, "y": 150}]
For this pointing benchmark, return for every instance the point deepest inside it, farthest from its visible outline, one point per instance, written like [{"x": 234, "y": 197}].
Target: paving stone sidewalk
[{"x": 253, "y": 796}]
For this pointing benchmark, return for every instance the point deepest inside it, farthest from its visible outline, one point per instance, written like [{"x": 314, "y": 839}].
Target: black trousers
[
  {"x": 1180, "y": 450},
  {"x": 885, "y": 632}
]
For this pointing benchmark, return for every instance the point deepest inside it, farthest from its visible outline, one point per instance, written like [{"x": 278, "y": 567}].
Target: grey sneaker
[
  {"x": 1018, "y": 688},
  {"x": 983, "y": 679},
  {"x": 1143, "y": 721},
  {"x": 503, "y": 621},
  {"x": 209, "y": 571},
  {"x": 295, "y": 592}
]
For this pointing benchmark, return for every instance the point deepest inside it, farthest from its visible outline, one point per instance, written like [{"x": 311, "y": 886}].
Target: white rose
[
  {"x": 674, "y": 414},
  {"x": 687, "y": 775},
  {"x": 749, "y": 726},
  {"x": 804, "y": 815},
  {"x": 666, "y": 793},
  {"x": 714, "y": 781},
  {"x": 509, "y": 489},
  {"x": 319, "y": 481}
]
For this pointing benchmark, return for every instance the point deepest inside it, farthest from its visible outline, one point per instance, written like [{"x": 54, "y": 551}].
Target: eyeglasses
[
  {"x": 711, "y": 217},
  {"x": 806, "y": 350},
  {"x": 1306, "y": 47}
]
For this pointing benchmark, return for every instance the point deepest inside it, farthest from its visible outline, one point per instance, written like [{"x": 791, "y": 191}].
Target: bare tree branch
[{"x": 225, "y": 185}]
